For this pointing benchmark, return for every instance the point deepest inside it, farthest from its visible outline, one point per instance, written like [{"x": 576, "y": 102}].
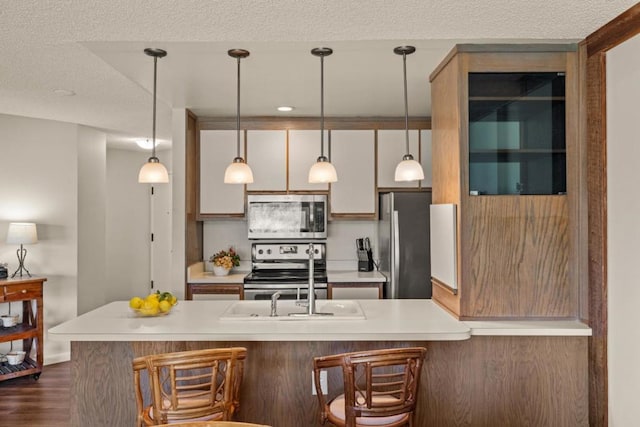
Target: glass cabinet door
[{"x": 517, "y": 133}]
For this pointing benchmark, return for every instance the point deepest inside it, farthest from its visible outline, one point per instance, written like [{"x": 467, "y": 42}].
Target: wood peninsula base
[{"x": 485, "y": 381}]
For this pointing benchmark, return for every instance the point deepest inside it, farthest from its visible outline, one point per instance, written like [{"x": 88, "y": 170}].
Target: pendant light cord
[
  {"x": 406, "y": 104},
  {"x": 238, "y": 114},
  {"x": 155, "y": 81},
  {"x": 321, "y": 106}
]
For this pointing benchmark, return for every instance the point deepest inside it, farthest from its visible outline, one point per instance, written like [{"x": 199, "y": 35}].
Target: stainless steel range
[{"x": 284, "y": 268}]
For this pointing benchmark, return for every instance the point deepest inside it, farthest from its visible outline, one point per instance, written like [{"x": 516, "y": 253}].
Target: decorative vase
[{"x": 220, "y": 271}]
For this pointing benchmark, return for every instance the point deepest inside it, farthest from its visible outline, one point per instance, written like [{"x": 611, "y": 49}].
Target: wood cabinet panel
[
  {"x": 353, "y": 155},
  {"x": 217, "y": 151},
  {"x": 391, "y": 148},
  {"x": 517, "y": 255},
  {"x": 267, "y": 156},
  {"x": 516, "y": 252},
  {"x": 480, "y": 382}
]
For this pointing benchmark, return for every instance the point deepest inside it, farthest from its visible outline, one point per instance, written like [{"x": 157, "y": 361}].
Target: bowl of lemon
[{"x": 156, "y": 304}]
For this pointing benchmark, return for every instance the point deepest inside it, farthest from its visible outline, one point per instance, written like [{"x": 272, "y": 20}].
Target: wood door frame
[{"x": 617, "y": 31}]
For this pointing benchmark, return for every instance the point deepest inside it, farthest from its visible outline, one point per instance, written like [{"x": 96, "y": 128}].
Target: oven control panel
[{"x": 286, "y": 251}]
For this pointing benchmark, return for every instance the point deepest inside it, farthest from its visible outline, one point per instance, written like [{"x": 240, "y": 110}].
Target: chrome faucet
[
  {"x": 274, "y": 303},
  {"x": 311, "y": 295}
]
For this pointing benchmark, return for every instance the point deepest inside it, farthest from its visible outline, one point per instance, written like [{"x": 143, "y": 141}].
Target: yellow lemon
[
  {"x": 136, "y": 302},
  {"x": 150, "y": 307},
  {"x": 164, "y": 306},
  {"x": 174, "y": 300},
  {"x": 155, "y": 297}
]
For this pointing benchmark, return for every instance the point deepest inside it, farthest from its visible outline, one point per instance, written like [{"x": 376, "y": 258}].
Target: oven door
[{"x": 289, "y": 292}]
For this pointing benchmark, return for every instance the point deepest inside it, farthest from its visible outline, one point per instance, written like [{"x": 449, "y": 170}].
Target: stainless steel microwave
[{"x": 291, "y": 216}]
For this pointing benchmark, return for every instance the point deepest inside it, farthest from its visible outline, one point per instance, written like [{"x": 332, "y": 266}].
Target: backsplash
[{"x": 341, "y": 246}]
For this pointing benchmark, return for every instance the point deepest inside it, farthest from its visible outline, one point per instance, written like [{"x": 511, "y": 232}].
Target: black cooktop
[{"x": 284, "y": 276}]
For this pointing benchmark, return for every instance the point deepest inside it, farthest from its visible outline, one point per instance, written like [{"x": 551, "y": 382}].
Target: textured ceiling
[{"x": 94, "y": 48}]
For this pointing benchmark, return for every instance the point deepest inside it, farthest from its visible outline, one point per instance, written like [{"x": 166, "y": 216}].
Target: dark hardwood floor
[{"x": 42, "y": 403}]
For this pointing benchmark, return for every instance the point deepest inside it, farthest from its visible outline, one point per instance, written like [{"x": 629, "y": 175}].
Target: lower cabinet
[
  {"x": 215, "y": 291},
  {"x": 355, "y": 290}
]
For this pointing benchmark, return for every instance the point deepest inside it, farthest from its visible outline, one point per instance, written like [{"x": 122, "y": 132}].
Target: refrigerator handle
[{"x": 395, "y": 255}]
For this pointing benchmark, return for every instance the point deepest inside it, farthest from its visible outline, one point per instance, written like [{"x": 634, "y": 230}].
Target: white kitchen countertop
[
  {"x": 529, "y": 328},
  {"x": 209, "y": 277},
  {"x": 196, "y": 273},
  {"x": 386, "y": 320},
  {"x": 337, "y": 276}
]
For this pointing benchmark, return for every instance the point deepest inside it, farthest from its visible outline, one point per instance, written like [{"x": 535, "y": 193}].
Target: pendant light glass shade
[
  {"x": 322, "y": 171},
  {"x": 154, "y": 172},
  {"x": 408, "y": 169},
  {"x": 238, "y": 172}
]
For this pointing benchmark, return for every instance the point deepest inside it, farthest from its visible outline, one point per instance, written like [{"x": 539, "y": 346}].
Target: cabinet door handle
[{"x": 24, "y": 291}]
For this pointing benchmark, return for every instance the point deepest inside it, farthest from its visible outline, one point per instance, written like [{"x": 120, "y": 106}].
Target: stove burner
[{"x": 284, "y": 276}]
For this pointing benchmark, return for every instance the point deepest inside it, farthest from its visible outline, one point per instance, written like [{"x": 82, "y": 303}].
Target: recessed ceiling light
[
  {"x": 285, "y": 108},
  {"x": 144, "y": 143},
  {"x": 64, "y": 92}
]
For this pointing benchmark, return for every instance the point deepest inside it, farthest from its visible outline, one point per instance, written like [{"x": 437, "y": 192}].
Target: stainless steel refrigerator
[{"x": 403, "y": 244}]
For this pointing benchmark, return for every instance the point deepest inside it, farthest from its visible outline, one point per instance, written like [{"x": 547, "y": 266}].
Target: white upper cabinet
[
  {"x": 391, "y": 148},
  {"x": 425, "y": 156},
  {"x": 217, "y": 151},
  {"x": 353, "y": 155},
  {"x": 267, "y": 156},
  {"x": 304, "y": 149}
]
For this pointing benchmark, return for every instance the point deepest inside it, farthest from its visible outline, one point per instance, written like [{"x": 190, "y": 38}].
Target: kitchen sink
[{"x": 287, "y": 310}]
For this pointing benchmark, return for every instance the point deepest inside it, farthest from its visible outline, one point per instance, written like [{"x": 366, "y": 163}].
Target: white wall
[
  {"x": 127, "y": 227},
  {"x": 177, "y": 175},
  {"x": 92, "y": 194},
  {"x": 38, "y": 172},
  {"x": 129, "y": 224},
  {"x": 623, "y": 232}
]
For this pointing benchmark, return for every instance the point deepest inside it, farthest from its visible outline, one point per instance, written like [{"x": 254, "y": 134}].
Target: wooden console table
[{"x": 29, "y": 329}]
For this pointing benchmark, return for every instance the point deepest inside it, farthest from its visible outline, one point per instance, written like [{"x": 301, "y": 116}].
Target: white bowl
[
  {"x": 15, "y": 357},
  {"x": 9, "y": 320}
]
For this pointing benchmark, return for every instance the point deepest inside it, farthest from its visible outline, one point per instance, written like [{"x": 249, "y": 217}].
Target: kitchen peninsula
[{"x": 477, "y": 374}]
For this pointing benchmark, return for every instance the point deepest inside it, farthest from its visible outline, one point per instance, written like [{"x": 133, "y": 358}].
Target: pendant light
[
  {"x": 408, "y": 169},
  {"x": 238, "y": 172},
  {"x": 322, "y": 171},
  {"x": 153, "y": 171}
]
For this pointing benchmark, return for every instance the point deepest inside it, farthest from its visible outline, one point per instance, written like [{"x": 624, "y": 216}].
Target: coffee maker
[{"x": 365, "y": 256}]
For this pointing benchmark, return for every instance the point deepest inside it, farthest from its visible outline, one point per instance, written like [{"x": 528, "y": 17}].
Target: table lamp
[{"x": 22, "y": 233}]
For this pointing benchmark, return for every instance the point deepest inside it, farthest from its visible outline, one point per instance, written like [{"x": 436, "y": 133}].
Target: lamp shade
[
  {"x": 409, "y": 170},
  {"x": 238, "y": 172},
  {"x": 153, "y": 173},
  {"x": 321, "y": 172},
  {"x": 22, "y": 233}
]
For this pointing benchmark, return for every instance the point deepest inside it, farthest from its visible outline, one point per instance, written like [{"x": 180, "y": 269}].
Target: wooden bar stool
[
  {"x": 380, "y": 387},
  {"x": 199, "y": 385},
  {"x": 214, "y": 424}
]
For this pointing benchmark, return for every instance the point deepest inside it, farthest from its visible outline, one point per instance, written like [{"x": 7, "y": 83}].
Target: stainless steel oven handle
[{"x": 271, "y": 291}]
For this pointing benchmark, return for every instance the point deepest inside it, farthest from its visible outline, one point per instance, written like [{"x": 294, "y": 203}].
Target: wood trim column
[
  {"x": 617, "y": 31},
  {"x": 597, "y": 244}
]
